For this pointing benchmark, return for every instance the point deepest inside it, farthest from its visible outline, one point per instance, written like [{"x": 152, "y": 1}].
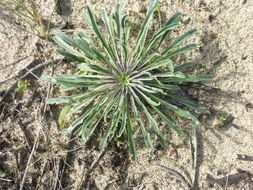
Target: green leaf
[
  {"x": 131, "y": 141},
  {"x": 98, "y": 33},
  {"x": 108, "y": 24},
  {"x": 109, "y": 133},
  {"x": 174, "y": 19},
  {"x": 60, "y": 41},
  {"x": 62, "y": 115},
  {"x": 70, "y": 56},
  {"x": 88, "y": 120},
  {"x": 114, "y": 99},
  {"x": 153, "y": 89},
  {"x": 144, "y": 29},
  {"x": 158, "y": 64},
  {"x": 170, "y": 75},
  {"x": 149, "y": 100},
  {"x": 87, "y": 132},
  {"x": 181, "y": 50},
  {"x": 188, "y": 78},
  {"x": 190, "y": 104},
  {"x": 126, "y": 36},
  {"x": 167, "y": 56},
  {"x": 90, "y": 49},
  {"x": 180, "y": 40},
  {"x": 94, "y": 68},
  {"x": 65, "y": 88},
  {"x": 110, "y": 30},
  {"x": 123, "y": 121},
  {"x": 157, "y": 36},
  {"x": 155, "y": 127},
  {"x": 78, "y": 121},
  {"x": 185, "y": 65},
  {"x": 22, "y": 85},
  {"x": 146, "y": 134},
  {"x": 84, "y": 101},
  {"x": 118, "y": 20},
  {"x": 65, "y": 99},
  {"x": 77, "y": 81},
  {"x": 169, "y": 121},
  {"x": 164, "y": 86},
  {"x": 147, "y": 61},
  {"x": 91, "y": 114},
  {"x": 177, "y": 110},
  {"x": 60, "y": 100},
  {"x": 73, "y": 41}
]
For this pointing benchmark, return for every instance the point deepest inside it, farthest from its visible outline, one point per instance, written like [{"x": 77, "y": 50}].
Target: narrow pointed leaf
[
  {"x": 188, "y": 78},
  {"x": 169, "y": 121},
  {"x": 180, "y": 40},
  {"x": 109, "y": 131},
  {"x": 174, "y": 19},
  {"x": 70, "y": 56},
  {"x": 185, "y": 65},
  {"x": 177, "y": 110},
  {"x": 131, "y": 141},
  {"x": 155, "y": 127},
  {"x": 146, "y": 134},
  {"x": 62, "y": 115},
  {"x": 144, "y": 28},
  {"x": 164, "y": 86},
  {"x": 190, "y": 104}
]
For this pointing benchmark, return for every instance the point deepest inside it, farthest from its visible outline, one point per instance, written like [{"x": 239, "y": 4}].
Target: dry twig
[
  {"x": 30, "y": 158},
  {"x": 85, "y": 177},
  {"x": 42, "y": 173},
  {"x": 14, "y": 63},
  {"x": 244, "y": 157},
  {"x": 57, "y": 179},
  {"x": 228, "y": 180},
  {"x": 141, "y": 187},
  {"x": 27, "y": 139},
  {"x": 7, "y": 180},
  {"x": 195, "y": 166},
  {"x": 177, "y": 174},
  {"x": 27, "y": 71},
  {"x": 195, "y": 159}
]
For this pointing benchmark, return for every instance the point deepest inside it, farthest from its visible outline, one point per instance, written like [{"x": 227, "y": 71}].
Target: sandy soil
[{"x": 225, "y": 50}]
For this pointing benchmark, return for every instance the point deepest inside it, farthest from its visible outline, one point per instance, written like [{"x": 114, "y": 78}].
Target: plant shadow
[
  {"x": 213, "y": 58},
  {"x": 64, "y": 8}
]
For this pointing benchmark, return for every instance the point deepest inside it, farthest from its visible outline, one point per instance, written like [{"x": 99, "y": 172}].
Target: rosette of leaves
[{"x": 121, "y": 83}]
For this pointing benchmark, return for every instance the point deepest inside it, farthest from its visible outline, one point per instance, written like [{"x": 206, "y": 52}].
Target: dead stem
[
  {"x": 20, "y": 74},
  {"x": 195, "y": 158},
  {"x": 86, "y": 176},
  {"x": 30, "y": 157},
  {"x": 175, "y": 173}
]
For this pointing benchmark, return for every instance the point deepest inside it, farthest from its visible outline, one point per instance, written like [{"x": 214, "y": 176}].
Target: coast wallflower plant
[{"x": 121, "y": 82}]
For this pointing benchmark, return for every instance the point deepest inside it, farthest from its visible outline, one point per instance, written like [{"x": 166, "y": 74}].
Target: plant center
[{"x": 124, "y": 79}]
